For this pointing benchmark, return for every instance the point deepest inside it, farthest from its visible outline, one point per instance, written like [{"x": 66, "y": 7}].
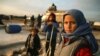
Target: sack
[{"x": 13, "y": 29}]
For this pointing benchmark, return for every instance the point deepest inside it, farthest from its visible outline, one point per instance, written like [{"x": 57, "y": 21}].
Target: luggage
[{"x": 13, "y": 29}]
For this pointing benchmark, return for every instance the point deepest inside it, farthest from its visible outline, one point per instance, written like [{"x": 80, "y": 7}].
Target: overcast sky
[{"x": 91, "y": 8}]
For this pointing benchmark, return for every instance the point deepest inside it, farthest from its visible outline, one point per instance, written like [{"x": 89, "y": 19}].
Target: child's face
[
  {"x": 50, "y": 18},
  {"x": 33, "y": 33},
  {"x": 69, "y": 24}
]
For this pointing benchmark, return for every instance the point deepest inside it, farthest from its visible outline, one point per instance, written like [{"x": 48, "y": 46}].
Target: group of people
[{"x": 76, "y": 38}]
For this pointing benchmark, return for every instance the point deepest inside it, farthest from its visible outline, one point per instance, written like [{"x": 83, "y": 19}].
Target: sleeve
[
  {"x": 37, "y": 44},
  {"x": 56, "y": 26},
  {"x": 83, "y": 52},
  {"x": 45, "y": 28},
  {"x": 26, "y": 43}
]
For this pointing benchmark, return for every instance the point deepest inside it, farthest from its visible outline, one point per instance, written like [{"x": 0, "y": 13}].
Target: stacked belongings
[{"x": 13, "y": 28}]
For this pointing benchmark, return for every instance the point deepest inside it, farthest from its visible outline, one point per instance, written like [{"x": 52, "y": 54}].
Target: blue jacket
[{"x": 48, "y": 29}]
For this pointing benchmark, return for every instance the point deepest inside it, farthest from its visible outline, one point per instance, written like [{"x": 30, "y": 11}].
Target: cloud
[
  {"x": 13, "y": 10},
  {"x": 90, "y": 8},
  {"x": 24, "y": 6},
  {"x": 89, "y": 4}
]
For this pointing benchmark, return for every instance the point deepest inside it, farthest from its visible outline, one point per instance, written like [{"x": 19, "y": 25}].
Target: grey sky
[{"x": 90, "y": 8}]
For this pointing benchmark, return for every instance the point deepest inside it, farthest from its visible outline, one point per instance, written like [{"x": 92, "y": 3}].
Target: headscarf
[{"x": 83, "y": 28}]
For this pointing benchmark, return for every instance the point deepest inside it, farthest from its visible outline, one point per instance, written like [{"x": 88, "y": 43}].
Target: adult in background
[{"x": 50, "y": 27}]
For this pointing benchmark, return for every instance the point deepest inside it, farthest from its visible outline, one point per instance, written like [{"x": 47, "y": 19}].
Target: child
[
  {"x": 50, "y": 28},
  {"x": 77, "y": 37},
  {"x": 33, "y": 43}
]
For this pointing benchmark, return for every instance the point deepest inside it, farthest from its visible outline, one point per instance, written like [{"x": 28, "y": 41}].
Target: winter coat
[{"x": 35, "y": 44}]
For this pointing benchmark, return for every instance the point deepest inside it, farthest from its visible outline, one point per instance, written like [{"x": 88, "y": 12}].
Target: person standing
[
  {"x": 32, "y": 21},
  {"x": 33, "y": 43},
  {"x": 50, "y": 27}
]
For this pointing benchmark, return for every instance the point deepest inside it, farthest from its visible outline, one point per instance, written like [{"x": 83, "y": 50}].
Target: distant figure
[
  {"x": 39, "y": 20},
  {"x": 1, "y": 17},
  {"x": 1, "y": 23},
  {"x": 77, "y": 37},
  {"x": 33, "y": 43},
  {"x": 32, "y": 21},
  {"x": 50, "y": 27},
  {"x": 25, "y": 21}
]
